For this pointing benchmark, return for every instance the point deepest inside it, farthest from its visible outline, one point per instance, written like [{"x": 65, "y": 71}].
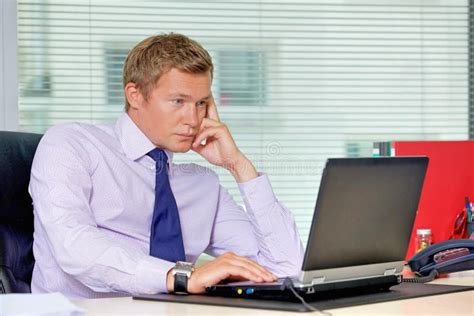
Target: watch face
[
  {"x": 183, "y": 268},
  {"x": 181, "y": 265}
]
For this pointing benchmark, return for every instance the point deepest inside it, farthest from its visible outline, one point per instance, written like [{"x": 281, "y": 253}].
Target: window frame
[{"x": 8, "y": 66}]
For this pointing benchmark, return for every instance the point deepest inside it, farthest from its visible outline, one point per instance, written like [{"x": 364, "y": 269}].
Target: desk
[{"x": 449, "y": 304}]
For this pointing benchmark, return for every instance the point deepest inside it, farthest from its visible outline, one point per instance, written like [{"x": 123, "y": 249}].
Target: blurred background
[{"x": 296, "y": 82}]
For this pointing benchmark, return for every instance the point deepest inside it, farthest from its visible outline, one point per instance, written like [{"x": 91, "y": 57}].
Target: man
[{"x": 113, "y": 214}]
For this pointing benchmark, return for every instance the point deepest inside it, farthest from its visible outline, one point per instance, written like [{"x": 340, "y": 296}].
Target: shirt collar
[{"x": 134, "y": 143}]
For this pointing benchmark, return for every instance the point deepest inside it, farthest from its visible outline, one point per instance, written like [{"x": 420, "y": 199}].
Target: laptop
[{"x": 360, "y": 231}]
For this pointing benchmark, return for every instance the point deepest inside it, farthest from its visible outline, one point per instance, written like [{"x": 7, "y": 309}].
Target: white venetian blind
[{"x": 296, "y": 82}]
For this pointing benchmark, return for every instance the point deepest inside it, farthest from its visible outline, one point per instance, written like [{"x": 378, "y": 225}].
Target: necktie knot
[{"x": 158, "y": 155}]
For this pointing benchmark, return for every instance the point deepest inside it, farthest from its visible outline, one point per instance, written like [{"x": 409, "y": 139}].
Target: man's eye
[
  {"x": 178, "y": 101},
  {"x": 202, "y": 103}
]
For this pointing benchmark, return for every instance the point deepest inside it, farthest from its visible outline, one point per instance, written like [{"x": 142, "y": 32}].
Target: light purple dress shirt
[{"x": 93, "y": 196}]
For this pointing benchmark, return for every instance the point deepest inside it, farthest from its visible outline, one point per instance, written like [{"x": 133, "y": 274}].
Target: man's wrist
[
  {"x": 243, "y": 170},
  {"x": 170, "y": 281},
  {"x": 177, "y": 278}
]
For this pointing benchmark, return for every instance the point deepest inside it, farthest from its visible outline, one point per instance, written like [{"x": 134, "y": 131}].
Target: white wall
[{"x": 8, "y": 66}]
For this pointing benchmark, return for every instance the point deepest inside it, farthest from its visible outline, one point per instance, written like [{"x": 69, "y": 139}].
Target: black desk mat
[{"x": 398, "y": 292}]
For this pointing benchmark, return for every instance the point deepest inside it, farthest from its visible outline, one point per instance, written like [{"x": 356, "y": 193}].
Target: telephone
[{"x": 444, "y": 257}]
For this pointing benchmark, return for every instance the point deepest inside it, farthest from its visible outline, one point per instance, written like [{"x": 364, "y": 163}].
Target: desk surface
[{"x": 449, "y": 304}]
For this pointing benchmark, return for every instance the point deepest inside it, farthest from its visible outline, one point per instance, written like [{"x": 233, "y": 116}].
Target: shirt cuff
[
  {"x": 151, "y": 275},
  {"x": 257, "y": 193}
]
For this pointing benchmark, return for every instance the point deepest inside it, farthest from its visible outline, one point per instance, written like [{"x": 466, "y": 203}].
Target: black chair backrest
[{"x": 16, "y": 211}]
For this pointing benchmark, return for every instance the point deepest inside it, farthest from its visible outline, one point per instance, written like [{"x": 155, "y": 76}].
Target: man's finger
[
  {"x": 253, "y": 266},
  {"x": 251, "y": 262},
  {"x": 212, "y": 110},
  {"x": 208, "y": 132},
  {"x": 237, "y": 271},
  {"x": 207, "y": 122},
  {"x": 259, "y": 267},
  {"x": 247, "y": 263}
]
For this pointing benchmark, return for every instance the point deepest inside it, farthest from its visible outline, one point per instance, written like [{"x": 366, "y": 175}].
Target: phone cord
[{"x": 430, "y": 277}]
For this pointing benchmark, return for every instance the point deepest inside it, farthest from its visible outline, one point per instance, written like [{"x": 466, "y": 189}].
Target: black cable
[
  {"x": 289, "y": 284},
  {"x": 428, "y": 278}
]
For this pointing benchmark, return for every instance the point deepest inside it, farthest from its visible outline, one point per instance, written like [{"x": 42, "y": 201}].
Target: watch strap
[{"x": 180, "y": 283}]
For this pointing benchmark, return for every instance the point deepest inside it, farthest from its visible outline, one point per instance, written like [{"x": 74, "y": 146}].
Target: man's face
[{"x": 175, "y": 108}]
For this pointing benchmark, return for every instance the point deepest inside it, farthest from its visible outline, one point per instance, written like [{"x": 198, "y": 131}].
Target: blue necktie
[{"x": 166, "y": 240}]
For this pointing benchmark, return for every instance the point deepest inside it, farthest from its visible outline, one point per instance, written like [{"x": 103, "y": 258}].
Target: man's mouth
[{"x": 190, "y": 136}]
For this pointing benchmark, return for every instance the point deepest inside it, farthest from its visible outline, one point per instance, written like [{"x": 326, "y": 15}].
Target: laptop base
[{"x": 281, "y": 290}]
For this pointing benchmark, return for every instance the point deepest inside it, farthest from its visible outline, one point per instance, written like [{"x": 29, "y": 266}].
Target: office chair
[{"x": 16, "y": 211}]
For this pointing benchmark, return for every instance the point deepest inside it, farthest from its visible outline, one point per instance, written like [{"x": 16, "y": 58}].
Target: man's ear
[{"x": 133, "y": 95}]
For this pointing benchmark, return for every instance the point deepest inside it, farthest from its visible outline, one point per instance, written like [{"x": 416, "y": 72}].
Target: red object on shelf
[{"x": 449, "y": 179}]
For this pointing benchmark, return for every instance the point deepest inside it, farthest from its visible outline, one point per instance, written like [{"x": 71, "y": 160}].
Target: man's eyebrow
[
  {"x": 179, "y": 95},
  {"x": 187, "y": 96}
]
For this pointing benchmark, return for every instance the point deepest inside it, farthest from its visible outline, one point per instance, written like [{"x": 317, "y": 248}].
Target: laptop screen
[{"x": 365, "y": 211}]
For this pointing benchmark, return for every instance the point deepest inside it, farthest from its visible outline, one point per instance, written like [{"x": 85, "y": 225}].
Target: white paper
[{"x": 38, "y": 304}]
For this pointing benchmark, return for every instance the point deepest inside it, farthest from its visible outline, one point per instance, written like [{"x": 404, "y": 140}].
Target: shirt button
[{"x": 152, "y": 167}]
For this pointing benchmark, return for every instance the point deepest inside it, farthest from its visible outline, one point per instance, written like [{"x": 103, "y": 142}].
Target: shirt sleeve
[
  {"x": 61, "y": 187},
  {"x": 266, "y": 232}
]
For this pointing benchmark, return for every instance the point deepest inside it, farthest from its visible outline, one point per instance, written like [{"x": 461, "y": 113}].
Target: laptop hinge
[
  {"x": 318, "y": 280},
  {"x": 390, "y": 271}
]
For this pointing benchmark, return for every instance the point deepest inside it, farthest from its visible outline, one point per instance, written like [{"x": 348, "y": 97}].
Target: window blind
[{"x": 296, "y": 82}]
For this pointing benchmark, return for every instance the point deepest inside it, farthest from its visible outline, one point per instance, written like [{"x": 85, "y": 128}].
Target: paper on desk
[{"x": 37, "y": 304}]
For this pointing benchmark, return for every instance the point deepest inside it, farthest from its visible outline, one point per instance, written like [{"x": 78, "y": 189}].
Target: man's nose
[{"x": 191, "y": 115}]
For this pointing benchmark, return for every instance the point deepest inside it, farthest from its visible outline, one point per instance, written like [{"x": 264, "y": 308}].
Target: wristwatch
[{"x": 182, "y": 272}]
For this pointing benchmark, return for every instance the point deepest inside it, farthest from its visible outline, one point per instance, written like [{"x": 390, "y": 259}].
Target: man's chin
[{"x": 182, "y": 148}]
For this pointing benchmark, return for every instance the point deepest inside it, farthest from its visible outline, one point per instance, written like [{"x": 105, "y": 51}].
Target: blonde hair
[{"x": 156, "y": 55}]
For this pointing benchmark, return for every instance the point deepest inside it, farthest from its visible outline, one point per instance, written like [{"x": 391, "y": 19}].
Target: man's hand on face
[
  {"x": 220, "y": 148},
  {"x": 227, "y": 266}
]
